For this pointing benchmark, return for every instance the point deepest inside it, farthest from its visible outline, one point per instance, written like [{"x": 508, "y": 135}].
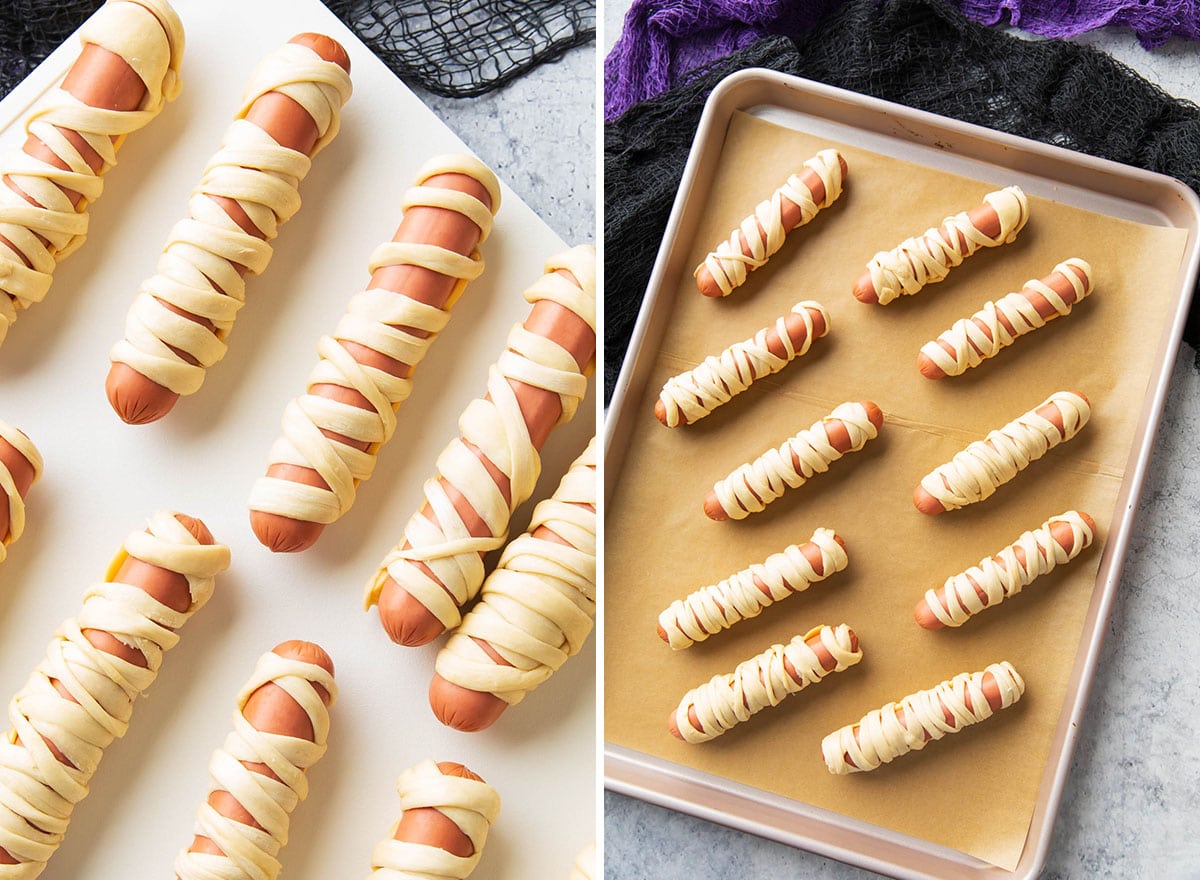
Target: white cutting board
[{"x": 103, "y": 479}]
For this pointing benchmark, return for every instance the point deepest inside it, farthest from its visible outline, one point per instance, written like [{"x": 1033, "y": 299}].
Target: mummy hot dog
[
  {"x": 446, "y": 813},
  {"x": 999, "y": 324},
  {"x": 534, "y": 611},
  {"x": 492, "y": 467},
  {"x": 928, "y": 258},
  {"x": 761, "y": 234},
  {"x": 182, "y": 315},
  {"x": 882, "y": 735},
  {"x": 1056, "y": 542},
  {"x": 691, "y": 396},
  {"x": 20, "y": 467},
  {"x": 81, "y": 696},
  {"x": 280, "y": 729},
  {"x": 127, "y": 71},
  {"x": 976, "y": 472},
  {"x": 332, "y": 433},
  {"x": 741, "y": 596},
  {"x": 754, "y": 485}
]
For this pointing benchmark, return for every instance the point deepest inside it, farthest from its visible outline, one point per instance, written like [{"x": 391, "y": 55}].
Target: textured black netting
[
  {"x": 459, "y": 49},
  {"x": 916, "y": 52}
]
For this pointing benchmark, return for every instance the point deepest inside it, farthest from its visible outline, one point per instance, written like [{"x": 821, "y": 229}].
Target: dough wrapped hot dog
[
  {"x": 20, "y": 468},
  {"x": 127, "y": 71},
  {"x": 492, "y": 468},
  {"x": 183, "y": 314},
  {"x": 80, "y": 697},
  {"x": 534, "y": 611},
  {"x": 280, "y": 728},
  {"x": 331, "y": 435}
]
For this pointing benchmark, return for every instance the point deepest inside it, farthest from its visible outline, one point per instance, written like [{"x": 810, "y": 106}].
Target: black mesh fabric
[{"x": 922, "y": 53}]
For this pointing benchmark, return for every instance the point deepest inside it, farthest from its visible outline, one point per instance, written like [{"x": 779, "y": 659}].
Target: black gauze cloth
[{"x": 922, "y": 53}]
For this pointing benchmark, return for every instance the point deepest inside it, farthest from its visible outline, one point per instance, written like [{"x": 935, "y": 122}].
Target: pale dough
[
  {"x": 879, "y": 737},
  {"x": 389, "y": 322},
  {"x": 928, "y": 258},
  {"x": 727, "y": 700},
  {"x": 196, "y": 271},
  {"x": 719, "y": 606},
  {"x": 729, "y": 265},
  {"x": 16, "y": 504},
  {"x": 37, "y": 790},
  {"x": 976, "y": 472},
  {"x": 250, "y": 853},
  {"x": 585, "y": 864},
  {"x": 699, "y": 391},
  {"x": 984, "y": 335},
  {"x": 496, "y": 426},
  {"x": 537, "y": 606},
  {"x": 148, "y": 35},
  {"x": 754, "y": 485},
  {"x": 471, "y": 804}
]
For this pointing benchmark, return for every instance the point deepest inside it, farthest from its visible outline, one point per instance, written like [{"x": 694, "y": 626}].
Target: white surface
[{"x": 103, "y": 478}]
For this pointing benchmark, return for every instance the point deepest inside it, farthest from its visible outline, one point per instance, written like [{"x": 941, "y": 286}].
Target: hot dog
[
  {"x": 691, "y": 396},
  {"x": 754, "y": 485},
  {"x": 534, "y": 611},
  {"x": 332, "y": 433},
  {"x": 128, "y": 69},
  {"x": 182, "y": 315},
  {"x": 81, "y": 696},
  {"x": 761, "y": 234},
  {"x": 928, "y": 258},
  {"x": 492, "y": 468},
  {"x": 20, "y": 467},
  {"x": 976, "y": 472},
  {"x": 280, "y": 728}
]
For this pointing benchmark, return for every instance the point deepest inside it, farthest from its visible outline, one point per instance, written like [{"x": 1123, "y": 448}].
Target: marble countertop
[{"x": 1134, "y": 787}]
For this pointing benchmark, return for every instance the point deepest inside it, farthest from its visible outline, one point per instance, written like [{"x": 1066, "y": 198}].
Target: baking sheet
[
  {"x": 104, "y": 478},
  {"x": 986, "y": 778}
]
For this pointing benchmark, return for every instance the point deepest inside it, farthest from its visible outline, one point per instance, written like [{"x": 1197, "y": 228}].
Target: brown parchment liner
[{"x": 975, "y": 790}]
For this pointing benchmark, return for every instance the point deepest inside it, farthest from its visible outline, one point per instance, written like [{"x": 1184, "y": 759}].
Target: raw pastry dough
[
  {"x": 975, "y": 472},
  {"x": 879, "y": 737},
  {"x": 195, "y": 272},
  {"x": 386, "y": 321},
  {"x": 1004, "y": 575},
  {"x": 727, "y": 700},
  {"x": 754, "y": 485},
  {"x": 16, "y": 504},
  {"x": 729, "y": 265},
  {"x": 496, "y": 426},
  {"x": 928, "y": 258},
  {"x": 37, "y": 792},
  {"x": 471, "y": 804},
  {"x": 250, "y": 853},
  {"x": 699, "y": 391},
  {"x": 585, "y": 864},
  {"x": 984, "y": 335},
  {"x": 536, "y": 608},
  {"x": 719, "y": 606},
  {"x": 148, "y": 35}
]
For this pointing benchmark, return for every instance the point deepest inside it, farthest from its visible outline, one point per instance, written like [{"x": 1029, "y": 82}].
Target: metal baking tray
[{"x": 912, "y": 135}]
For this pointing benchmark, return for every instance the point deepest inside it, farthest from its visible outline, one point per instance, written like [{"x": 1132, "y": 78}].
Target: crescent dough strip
[
  {"x": 880, "y": 737},
  {"x": 196, "y": 271},
  {"x": 496, "y": 426},
  {"x": 471, "y": 804},
  {"x": 928, "y": 258},
  {"x": 719, "y": 606},
  {"x": 18, "y": 440},
  {"x": 389, "y": 322},
  {"x": 754, "y": 485},
  {"x": 976, "y": 472},
  {"x": 148, "y": 36},
  {"x": 986, "y": 333},
  {"x": 585, "y": 864},
  {"x": 729, "y": 265},
  {"x": 249, "y": 852},
  {"x": 536, "y": 608},
  {"x": 37, "y": 792},
  {"x": 727, "y": 700},
  {"x": 699, "y": 391}
]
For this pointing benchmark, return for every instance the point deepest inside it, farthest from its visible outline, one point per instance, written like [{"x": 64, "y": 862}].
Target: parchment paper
[{"x": 974, "y": 790}]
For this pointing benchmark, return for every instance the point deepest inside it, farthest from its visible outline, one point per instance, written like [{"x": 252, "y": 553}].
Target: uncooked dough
[
  {"x": 18, "y": 440},
  {"x": 585, "y": 864}
]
